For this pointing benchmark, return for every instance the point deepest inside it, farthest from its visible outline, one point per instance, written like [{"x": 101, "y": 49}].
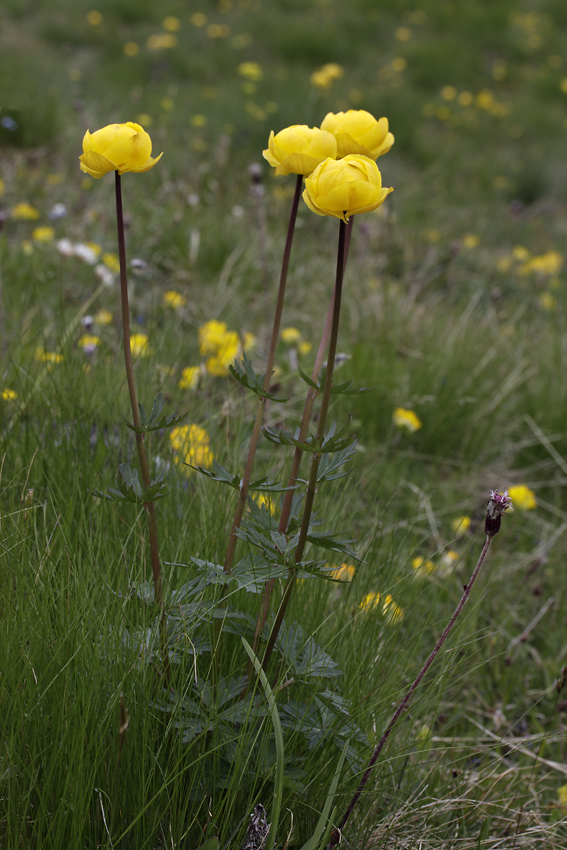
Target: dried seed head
[{"x": 498, "y": 504}]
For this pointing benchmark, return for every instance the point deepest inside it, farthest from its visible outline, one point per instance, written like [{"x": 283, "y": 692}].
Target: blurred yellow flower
[
  {"x": 323, "y": 77},
  {"x": 171, "y": 23},
  {"x": 189, "y": 378},
  {"x": 547, "y": 301},
  {"x": 343, "y": 573},
  {"x": 251, "y": 71},
  {"x": 218, "y": 30},
  {"x": 139, "y": 345},
  {"x": 264, "y": 501},
  {"x": 88, "y": 342},
  {"x": 403, "y": 34},
  {"x": 345, "y": 187},
  {"x": 94, "y": 18},
  {"x": 130, "y": 48},
  {"x": 471, "y": 240},
  {"x": 291, "y": 336},
  {"x": 299, "y": 149},
  {"x": 174, "y": 299},
  {"x": 198, "y": 120},
  {"x": 228, "y": 349},
  {"x": 357, "y": 131},
  {"x": 2, "y": 187},
  {"x": 191, "y": 445},
  {"x": 389, "y": 608},
  {"x": 9, "y": 395},
  {"x": 210, "y": 336},
  {"x": 562, "y": 796},
  {"x": 249, "y": 341},
  {"x": 522, "y": 497},
  {"x": 461, "y": 525},
  {"x": 103, "y": 317},
  {"x": 25, "y": 212},
  {"x": 161, "y": 41},
  {"x": 111, "y": 261},
  {"x": 448, "y": 92},
  {"x": 406, "y": 419},
  {"x": 422, "y": 566},
  {"x": 47, "y": 356},
  {"x": 198, "y": 19},
  {"x": 43, "y": 234},
  {"x": 117, "y": 147}
]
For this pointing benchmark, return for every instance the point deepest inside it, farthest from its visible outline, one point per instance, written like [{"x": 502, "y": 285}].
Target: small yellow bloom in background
[
  {"x": 461, "y": 525},
  {"x": 251, "y": 71},
  {"x": 264, "y": 501},
  {"x": 403, "y": 34},
  {"x": 189, "y": 378},
  {"x": 54, "y": 179},
  {"x": 520, "y": 253},
  {"x": 27, "y": 247},
  {"x": 448, "y": 92},
  {"x": 563, "y": 85},
  {"x": 345, "y": 187},
  {"x": 131, "y": 48},
  {"x": 465, "y": 98},
  {"x": 198, "y": 19},
  {"x": 522, "y": 497},
  {"x": 544, "y": 264},
  {"x": 357, "y": 131},
  {"x": 225, "y": 355},
  {"x": 144, "y": 118},
  {"x": 210, "y": 335},
  {"x": 161, "y": 41},
  {"x": 88, "y": 342},
  {"x": 117, "y": 147},
  {"x": 111, "y": 261},
  {"x": 43, "y": 234},
  {"x": 547, "y": 301},
  {"x": 406, "y": 420},
  {"x": 198, "y": 120},
  {"x": 218, "y": 30},
  {"x": 191, "y": 445},
  {"x": 94, "y": 18},
  {"x": 399, "y": 64},
  {"x": 9, "y": 395},
  {"x": 323, "y": 77},
  {"x": 449, "y": 558},
  {"x": 343, "y": 573},
  {"x": 422, "y": 566},
  {"x": 44, "y": 356},
  {"x": 249, "y": 341},
  {"x": 139, "y": 345},
  {"x": 103, "y": 317},
  {"x": 471, "y": 240},
  {"x": 299, "y": 149},
  {"x": 2, "y": 187},
  {"x": 174, "y": 299},
  {"x": 304, "y": 347},
  {"x": 291, "y": 336},
  {"x": 391, "y": 611},
  {"x": 562, "y": 796},
  {"x": 171, "y": 23},
  {"x": 24, "y": 212}
]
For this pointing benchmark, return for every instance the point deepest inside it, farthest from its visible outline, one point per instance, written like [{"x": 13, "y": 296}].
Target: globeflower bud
[
  {"x": 117, "y": 147},
  {"x": 345, "y": 187},
  {"x": 357, "y": 131},
  {"x": 299, "y": 149}
]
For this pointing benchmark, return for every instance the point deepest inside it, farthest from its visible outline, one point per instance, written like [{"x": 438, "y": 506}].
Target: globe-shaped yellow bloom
[
  {"x": 117, "y": 147},
  {"x": 299, "y": 149},
  {"x": 357, "y": 131},
  {"x": 345, "y": 187}
]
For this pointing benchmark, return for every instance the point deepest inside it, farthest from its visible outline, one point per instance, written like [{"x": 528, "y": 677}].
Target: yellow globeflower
[
  {"x": 117, "y": 147},
  {"x": 228, "y": 349},
  {"x": 139, "y": 345},
  {"x": 299, "y": 149},
  {"x": 345, "y": 187},
  {"x": 522, "y": 497},
  {"x": 9, "y": 394},
  {"x": 211, "y": 335},
  {"x": 174, "y": 299},
  {"x": 406, "y": 419},
  {"x": 43, "y": 234},
  {"x": 357, "y": 131}
]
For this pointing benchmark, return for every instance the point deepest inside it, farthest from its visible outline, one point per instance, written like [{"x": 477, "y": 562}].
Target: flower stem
[
  {"x": 243, "y": 493},
  {"x": 298, "y": 453},
  {"x": 335, "y": 836},
  {"x": 316, "y": 459},
  {"x": 140, "y": 437}
]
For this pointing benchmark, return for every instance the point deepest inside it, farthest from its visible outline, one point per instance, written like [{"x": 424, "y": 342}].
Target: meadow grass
[{"x": 449, "y": 311}]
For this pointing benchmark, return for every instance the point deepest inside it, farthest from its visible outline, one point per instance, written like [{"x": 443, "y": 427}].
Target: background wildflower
[
  {"x": 189, "y": 378},
  {"x": 522, "y": 497},
  {"x": 139, "y": 345},
  {"x": 406, "y": 420}
]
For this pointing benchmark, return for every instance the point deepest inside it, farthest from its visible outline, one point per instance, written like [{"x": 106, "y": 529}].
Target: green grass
[{"x": 433, "y": 320}]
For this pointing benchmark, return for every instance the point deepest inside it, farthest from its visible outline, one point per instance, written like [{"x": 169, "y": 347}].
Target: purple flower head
[{"x": 498, "y": 504}]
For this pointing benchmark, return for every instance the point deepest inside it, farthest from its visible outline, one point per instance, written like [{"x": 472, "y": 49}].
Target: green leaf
[
  {"x": 211, "y": 844},
  {"x": 333, "y": 441},
  {"x": 131, "y": 490},
  {"x": 324, "y": 824},
  {"x": 245, "y": 375},
  {"x": 278, "y": 734},
  {"x": 152, "y": 423}
]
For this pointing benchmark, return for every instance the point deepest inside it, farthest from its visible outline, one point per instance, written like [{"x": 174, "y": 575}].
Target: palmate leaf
[
  {"x": 245, "y": 375},
  {"x": 346, "y": 388},
  {"x": 333, "y": 441},
  {"x": 152, "y": 422},
  {"x": 130, "y": 489}
]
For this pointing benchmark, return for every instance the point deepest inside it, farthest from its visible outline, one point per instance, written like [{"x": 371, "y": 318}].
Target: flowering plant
[
  {"x": 117, "y": 147},
  {"x": 357, "y": 131},
  {"x": 344, "y": 187},
  {"x": 299, "y": 149}
]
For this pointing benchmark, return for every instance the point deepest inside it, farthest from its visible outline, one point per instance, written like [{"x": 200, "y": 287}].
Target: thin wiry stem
[{"x": 335, "y": 836}]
